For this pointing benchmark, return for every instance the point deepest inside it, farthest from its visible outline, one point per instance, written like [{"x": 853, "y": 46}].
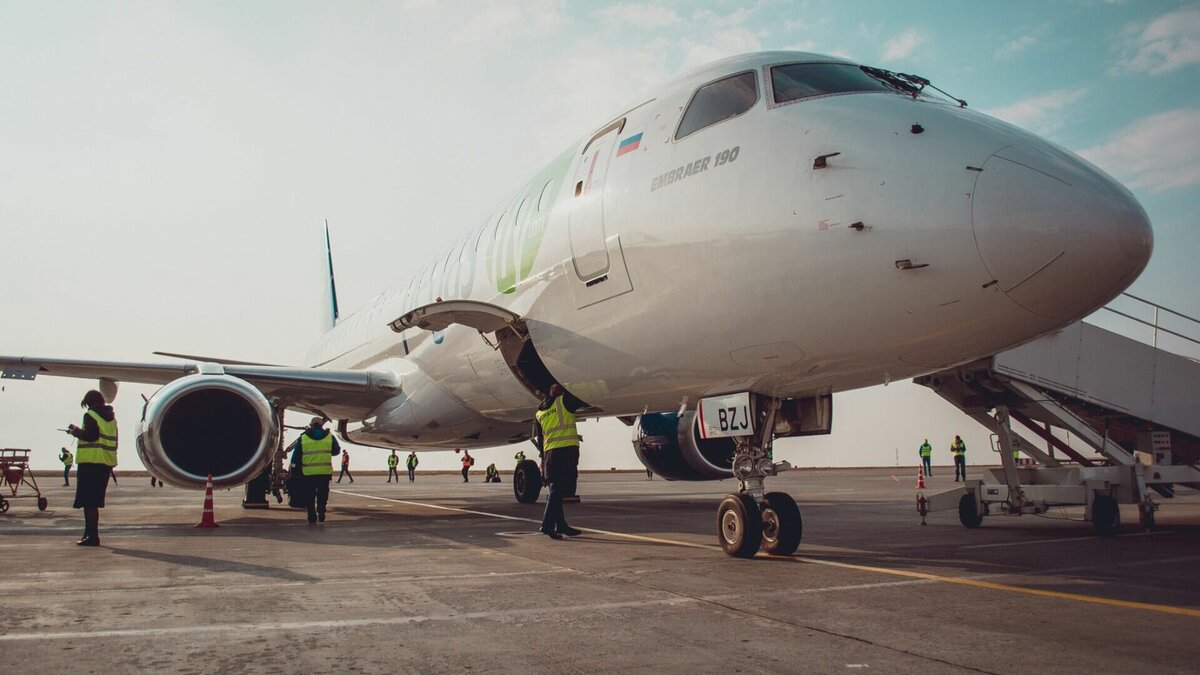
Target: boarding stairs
[{"x": 1103, "y": 418}]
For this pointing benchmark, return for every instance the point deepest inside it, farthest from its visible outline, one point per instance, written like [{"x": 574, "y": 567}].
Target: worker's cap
[{"x": 317, "y": 422}]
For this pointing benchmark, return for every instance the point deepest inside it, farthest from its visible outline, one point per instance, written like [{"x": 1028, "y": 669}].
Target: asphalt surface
[{"x": 441, "y": 576}]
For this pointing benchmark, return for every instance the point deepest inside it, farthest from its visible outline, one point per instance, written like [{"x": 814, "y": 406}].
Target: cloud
[
  {"x": 1041, "y": 114},
  {"x": 735, "y": 18},
  {"x": 1157, "y": 152},
  {"x": 731, "y": 41},
  {"x": 500, "y": 22},
  {"x": 1164, "y": 45},
  {"x": 642, "y": 16},
  {"x": 1010, "y": 50},
  {"x": 902, "y": 45}
]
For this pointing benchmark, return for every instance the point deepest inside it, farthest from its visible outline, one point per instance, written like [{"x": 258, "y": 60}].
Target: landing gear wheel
[
  {"x": 527, "y": 481},
  {"x": 781, "y": 524},
  {"x": 43, "y": 503},
  {"x": 739, "y": 526},
  {"x": 3, "y": 505},
  {"x": 968, "y": 512},
  {"x": 1106, "y": 516}
]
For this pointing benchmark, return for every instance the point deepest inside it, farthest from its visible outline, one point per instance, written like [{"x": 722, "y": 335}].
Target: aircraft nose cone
[{"x": 1059, "y": 236}]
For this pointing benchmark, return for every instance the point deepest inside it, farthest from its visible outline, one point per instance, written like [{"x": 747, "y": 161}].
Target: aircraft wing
[{"x": 336, "y": 393}]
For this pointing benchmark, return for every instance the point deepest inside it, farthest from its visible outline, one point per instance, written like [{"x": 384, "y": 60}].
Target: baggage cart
[{"x": 15, "y": 475}]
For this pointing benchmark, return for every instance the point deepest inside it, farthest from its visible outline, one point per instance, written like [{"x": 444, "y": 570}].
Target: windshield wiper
[{"x": 912, "y": 85}]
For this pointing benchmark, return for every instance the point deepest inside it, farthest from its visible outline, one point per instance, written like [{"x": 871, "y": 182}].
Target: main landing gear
[{"x": 753, "y": 518}]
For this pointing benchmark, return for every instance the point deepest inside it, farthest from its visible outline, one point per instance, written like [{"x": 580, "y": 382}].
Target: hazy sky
[{"x": 166, "y": 166}]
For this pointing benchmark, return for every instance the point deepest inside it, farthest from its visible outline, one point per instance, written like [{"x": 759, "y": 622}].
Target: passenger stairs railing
[{"x": 1183, "y": 328}]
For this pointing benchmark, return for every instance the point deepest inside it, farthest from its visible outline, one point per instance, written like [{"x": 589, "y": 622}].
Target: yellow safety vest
[
  {"x": 103, "y": 450},
  {"x": 67, "y": 458},
  {"x": 316, "y": 456},
  {"x": 393, "y": 461},
  {"x": 558, "y": 427},
  {"x": 958, "y": 449}
]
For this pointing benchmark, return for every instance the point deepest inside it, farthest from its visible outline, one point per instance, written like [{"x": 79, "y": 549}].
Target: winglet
[{"x": 331, "y": 317}]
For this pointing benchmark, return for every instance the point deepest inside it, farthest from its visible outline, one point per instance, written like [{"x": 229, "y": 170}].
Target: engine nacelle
[
  {"x": 669, "y": 444},
  {"x": 207, "y": 424}
]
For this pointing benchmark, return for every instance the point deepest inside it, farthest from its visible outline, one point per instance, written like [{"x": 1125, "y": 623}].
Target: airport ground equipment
[
  {"x": 1123, "y": 415},
  {"x": 14, "y": 467}
]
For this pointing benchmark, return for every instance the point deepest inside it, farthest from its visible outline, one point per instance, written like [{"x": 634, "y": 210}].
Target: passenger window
[
  {"x": 522, "y": 213},
  {"x": 544, "y": 199},
  {"x": 719, "y": 101},
  {"x": 806, "y": 80}
]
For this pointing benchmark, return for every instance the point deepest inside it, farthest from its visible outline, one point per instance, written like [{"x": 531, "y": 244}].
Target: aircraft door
[{"x": 585, "y": 219}]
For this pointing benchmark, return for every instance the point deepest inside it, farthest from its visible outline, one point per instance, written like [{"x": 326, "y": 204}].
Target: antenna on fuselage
[{"x": 332, "y": 315}]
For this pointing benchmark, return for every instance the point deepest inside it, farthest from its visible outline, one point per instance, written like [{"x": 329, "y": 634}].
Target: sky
[{"x": 165, "y": 167}]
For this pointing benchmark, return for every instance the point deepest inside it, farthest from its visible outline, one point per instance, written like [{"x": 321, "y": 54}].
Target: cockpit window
[
  {"x": 805, "y": 80},
  {"x": 719, "y": 101}
]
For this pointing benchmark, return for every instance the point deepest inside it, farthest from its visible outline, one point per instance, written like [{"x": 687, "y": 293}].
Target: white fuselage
[{"x": 724, "y": 261}]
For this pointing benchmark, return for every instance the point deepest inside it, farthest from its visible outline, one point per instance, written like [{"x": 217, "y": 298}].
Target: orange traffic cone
[
  {"x": 920, "y": 477},
  {"x": 207, "y": 519}
]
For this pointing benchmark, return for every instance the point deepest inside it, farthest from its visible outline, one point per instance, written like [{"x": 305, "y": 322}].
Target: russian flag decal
[{"x": 629, "y": 144}]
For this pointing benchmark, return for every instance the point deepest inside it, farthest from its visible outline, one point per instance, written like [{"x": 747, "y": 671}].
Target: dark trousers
[
  {"x": 316, "y": 496},
  {"x": 960, "y": 467},
  {"x": 345, "y": 472},
  {"x": 412, "y": 473},
  {"x": 464, "y": 473},
  {"x": 392, "y": 472},
  {"x": 66, "y": 475},
  {"x": 928, "y": 469},
  {"x": 562, "y": 473}
]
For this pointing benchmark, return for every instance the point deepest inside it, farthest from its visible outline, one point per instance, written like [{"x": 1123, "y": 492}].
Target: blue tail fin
[{"x": 331, "y": 309}]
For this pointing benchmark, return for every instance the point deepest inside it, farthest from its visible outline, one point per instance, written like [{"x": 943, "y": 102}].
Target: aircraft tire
[
  {"x": 1106, "y": 516},
  {"x": 968, "y": 512},
  {"x": 739, "y": 526},
  {"x": 527, "y": 481},
  {"x": 782, "y": 525}
]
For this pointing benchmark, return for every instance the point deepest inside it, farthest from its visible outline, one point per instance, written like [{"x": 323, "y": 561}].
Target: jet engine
[
  {"x": 669, "y": 444},
  {"x": 207, "y": 424}
]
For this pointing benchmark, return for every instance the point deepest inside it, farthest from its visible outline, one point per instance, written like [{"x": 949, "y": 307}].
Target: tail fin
[{"x": 331, "y": 305}]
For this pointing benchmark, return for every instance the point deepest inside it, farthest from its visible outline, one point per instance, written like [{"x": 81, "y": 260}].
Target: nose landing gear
[{"x": 753, "y": 518}]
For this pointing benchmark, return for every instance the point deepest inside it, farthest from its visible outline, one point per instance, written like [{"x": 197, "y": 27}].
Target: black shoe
[
  {"x": 569, "y": 531},
  {"x": 550, "y": 533},
  {"x": 321, "y": 516},
  {"x": 89, "y": 541}
]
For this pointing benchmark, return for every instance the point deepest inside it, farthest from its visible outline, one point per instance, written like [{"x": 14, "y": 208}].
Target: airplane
[{"x": 710, "y": 266}]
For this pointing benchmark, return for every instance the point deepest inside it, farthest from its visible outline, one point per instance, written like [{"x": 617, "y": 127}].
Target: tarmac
[{"x": 442, "y": 576}]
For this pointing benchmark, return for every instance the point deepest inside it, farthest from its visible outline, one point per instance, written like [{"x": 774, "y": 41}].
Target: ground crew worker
[
  {"x": 315, "y": 449},
  {"x": 345, "y": 467},
  {"x": 467, "y": 462},
  {"x": 97, "y": 449},
  {"x": 67, "y": 459},
  {"x": 492, "y": 475},
  {"x": 155, "y": 481},
  {"x": 393, "y": 462},
  {"x": 556, "y": 436},
  {"x": 959, "y": 450},
  {"x": 926, "y": 450},
  {"x": 412, "y": 466},
  {"x": 520, "y": 456}
]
